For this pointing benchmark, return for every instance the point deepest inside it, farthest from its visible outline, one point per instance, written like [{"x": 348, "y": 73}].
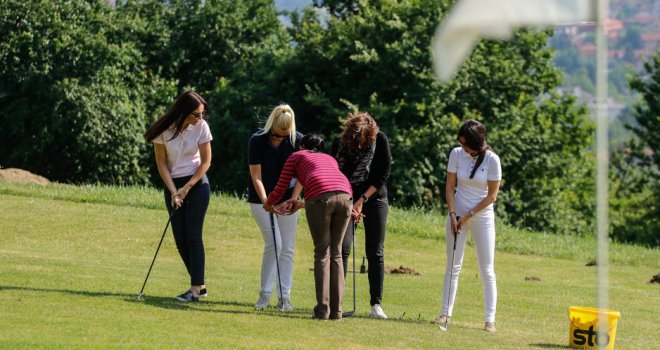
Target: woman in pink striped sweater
[{"x": 329, "y": 204}]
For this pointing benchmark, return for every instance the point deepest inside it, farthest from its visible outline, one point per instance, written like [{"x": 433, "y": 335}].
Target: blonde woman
[{"x": 268, "y": 150}]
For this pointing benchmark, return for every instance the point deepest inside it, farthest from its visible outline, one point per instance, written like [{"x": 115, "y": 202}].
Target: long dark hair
[
  {"x": 359, "y": 133},
  {"x": 312, "y": 142},
  {"x": 476, "y": 138},
  {"x": 176, "y": 115}
]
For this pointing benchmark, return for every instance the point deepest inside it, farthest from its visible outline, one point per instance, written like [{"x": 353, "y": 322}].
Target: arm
[
  {"x": 491, "y": 197},
  {"x": 378, "y": 175},
  {"x": 288, "y": 172},
  {"x": 450, "y": 197},
  {"x": 205, "y": 155},
  {"x": 381, "y": 165},
  {"x": 161, "y": 163},
  {"x": 293, "y": 204},
  {"x": 357, "y": 207},
  {"x": 255, "y": 174},
  {"x": 297, "y": 190}
]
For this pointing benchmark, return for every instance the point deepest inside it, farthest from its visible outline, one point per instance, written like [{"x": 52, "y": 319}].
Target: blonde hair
[{"x": 282, "y": 117}]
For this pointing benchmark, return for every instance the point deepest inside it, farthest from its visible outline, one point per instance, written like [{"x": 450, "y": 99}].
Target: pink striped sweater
[{"x": 317, "y": 172}]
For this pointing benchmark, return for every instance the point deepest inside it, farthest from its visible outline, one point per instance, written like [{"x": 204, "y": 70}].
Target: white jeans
[
  {"x": 483, "y": 233},
  {"x": 285, "y": 235}
]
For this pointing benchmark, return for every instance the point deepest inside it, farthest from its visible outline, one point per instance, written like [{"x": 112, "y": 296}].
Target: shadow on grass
[
  {"x": 549, "y": 346},
  {"x": 222, "y": 306},
  {"x": 68, "y": 291}
]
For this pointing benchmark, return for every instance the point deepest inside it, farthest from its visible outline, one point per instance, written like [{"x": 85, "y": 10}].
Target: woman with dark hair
[
  {"x": 328, "y": 203},
  {"x": 363, "y": 154},
  {"x": 268, "y": 149},
  {"x": 473, "y": 181},
  {"x": 182, "y": 146}
]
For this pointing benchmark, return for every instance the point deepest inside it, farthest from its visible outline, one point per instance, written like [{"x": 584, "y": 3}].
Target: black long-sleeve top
[{"x": 379, "y": 170}]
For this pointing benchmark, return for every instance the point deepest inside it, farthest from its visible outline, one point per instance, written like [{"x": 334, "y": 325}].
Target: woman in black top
[
  {"x": 268, "y": 150},
  {"x": 363, "y": 154}
]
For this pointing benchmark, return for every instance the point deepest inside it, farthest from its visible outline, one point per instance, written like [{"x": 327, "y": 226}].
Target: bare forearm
[
  {"x": 488, "y": 200},
  {"x": 166, "y": 177},
  {"x": 297, "y": 190},
  {"x": 198, "y": 175}
]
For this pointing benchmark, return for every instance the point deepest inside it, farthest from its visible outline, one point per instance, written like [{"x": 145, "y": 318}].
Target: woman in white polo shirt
[
  {"x": 473, "y": 180},
  {"x": 182, "y": 145}
]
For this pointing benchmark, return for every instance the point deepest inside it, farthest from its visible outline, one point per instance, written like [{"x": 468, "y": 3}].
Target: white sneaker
[
  {"x": 284, "y": 304},
  {"x": 263, "y": 302},
  {"x": 377, "y": 312}
]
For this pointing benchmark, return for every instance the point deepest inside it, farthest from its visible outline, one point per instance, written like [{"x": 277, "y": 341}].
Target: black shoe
[
  {"x": 187, "y": 297},
  {"x": 203, "y": 293}
]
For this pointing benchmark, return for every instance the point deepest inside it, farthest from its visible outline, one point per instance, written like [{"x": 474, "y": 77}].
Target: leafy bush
[{"x": 74, "y": 94}]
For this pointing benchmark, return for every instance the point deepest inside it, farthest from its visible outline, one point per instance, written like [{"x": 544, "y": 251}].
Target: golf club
[
  {"x": 277, "y": 260},
  {"x": 139, "y": 296},
  {"x": 451, "y": 277},
  {"x": 350, "y": 313}
]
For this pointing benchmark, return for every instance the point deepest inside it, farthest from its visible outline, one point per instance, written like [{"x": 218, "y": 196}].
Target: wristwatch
[
  {"x": 471, "y": 213},
  {"x": 364, "y": 197}
]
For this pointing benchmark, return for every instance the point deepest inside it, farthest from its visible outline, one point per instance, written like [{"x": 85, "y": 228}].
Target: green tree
[
  {"x": 72, "y": 92},
  {"x": 377, "y": 58},
  {"x": 231, "y": 52},
  {"x": 635, "y": 188},
  {"x": 647, "y": 111}
]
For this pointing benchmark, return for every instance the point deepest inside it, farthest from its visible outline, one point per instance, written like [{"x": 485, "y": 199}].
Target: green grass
[{"x": 73, "y": 259}]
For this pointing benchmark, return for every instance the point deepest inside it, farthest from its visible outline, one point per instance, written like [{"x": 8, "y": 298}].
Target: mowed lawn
[{"x": 72, "y": 260}]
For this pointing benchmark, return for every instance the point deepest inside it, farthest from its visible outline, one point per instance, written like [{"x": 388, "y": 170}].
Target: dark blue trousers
[{"x": 187, "y": 225}]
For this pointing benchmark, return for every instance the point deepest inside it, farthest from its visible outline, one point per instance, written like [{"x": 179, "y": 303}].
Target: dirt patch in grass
[
  {"x": 22, "y": 176},
  {"x": 655, "y": 279},
  {"x": 403, "y": 270}
]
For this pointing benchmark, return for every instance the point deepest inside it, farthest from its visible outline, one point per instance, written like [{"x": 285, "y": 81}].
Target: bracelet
[
  {"x": 452, "y": 212},
  {"x": 364, "y": 197},
  {"x": 471, "y": 213}
]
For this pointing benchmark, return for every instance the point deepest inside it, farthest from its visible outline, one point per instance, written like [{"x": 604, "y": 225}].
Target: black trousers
[
  {"x": 375, "y": 220},
  {"x": 187, "y": 225}
]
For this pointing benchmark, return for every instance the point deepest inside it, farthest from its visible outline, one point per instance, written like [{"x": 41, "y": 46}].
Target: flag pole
[{"x": 602, "y": 161}]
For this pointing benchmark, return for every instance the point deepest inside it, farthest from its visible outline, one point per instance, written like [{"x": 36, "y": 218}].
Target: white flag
[{"x": 470, "y": 20}]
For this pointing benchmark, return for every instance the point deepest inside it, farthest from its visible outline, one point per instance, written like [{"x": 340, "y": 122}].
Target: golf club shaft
[
  {"x": 277, "y": 260},
  {"x": 350, "y": 313},
  {"x": 156, "y": 254}
]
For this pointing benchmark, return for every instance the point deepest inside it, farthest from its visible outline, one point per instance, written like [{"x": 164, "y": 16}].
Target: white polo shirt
[
  {"x": 469, "y": 192},
  {"x": 183, "y": 157}
]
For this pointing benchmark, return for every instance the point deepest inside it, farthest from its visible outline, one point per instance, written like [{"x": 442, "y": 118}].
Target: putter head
[
  {"x": 443, "y": 328},
  {"x": 139, "y": 296}
]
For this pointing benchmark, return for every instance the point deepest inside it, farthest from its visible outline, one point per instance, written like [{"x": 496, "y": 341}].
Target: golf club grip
[{"x": 456, "y": 235}]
